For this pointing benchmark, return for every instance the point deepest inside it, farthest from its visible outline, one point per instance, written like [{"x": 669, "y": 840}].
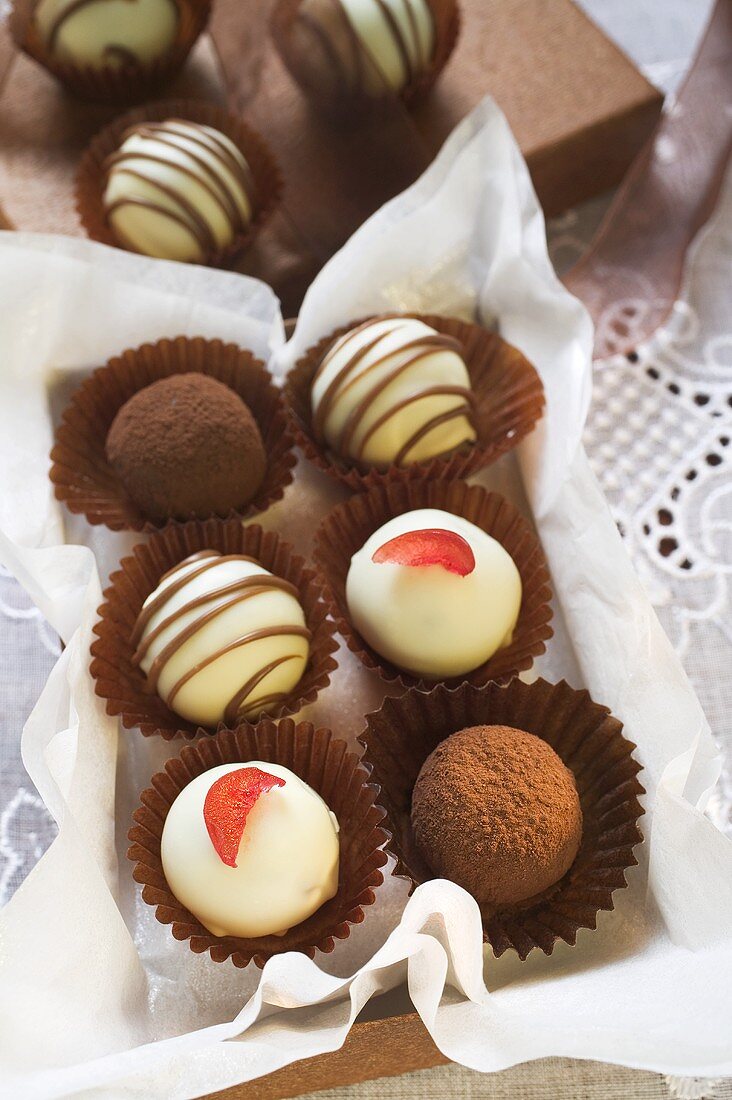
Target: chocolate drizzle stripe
[
  {"x": 214, "y": 181},
  {"x": 214, "y": 184},
  {"x": 343, "y": 341},
  {"x": 331, "y": 53},
  {"x": 207, "y": 559},
  {"x": 239, "y": 168},
  {"x": 400, "y": 41},
  {"x": 426, "y": 346},
  {"x": 261, "y": 704},
  {"x": 71, "y": 9},
  {"x": 198, "y": 556},
  {"x": 435, "y": 422},
  {"x": 126, "y": 242},
  {"x": 209, "y": 141},
  {"x": 242, "y": 589},
  {"x": 411, "y": 16},
  {"x": 122, "y": 53},
  {"x": 191, "y": 221},
  {"x": 332, "y": 392},
  {"x": 238, "y": 643},
  {"x": 236, "y": 702},
  {"x": 431, "y": 391}
]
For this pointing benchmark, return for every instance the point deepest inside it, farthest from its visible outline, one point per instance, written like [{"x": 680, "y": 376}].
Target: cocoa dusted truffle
[
  {"x": 187, "y": 446},
  {"x": 495, "y": 810}
]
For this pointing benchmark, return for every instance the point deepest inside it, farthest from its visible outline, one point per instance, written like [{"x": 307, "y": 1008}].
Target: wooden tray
[
  {"x": 578, "y": 107},
  {"x": 386, "y": 1046}
]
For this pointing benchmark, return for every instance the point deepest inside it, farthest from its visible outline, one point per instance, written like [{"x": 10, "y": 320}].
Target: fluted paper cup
[
  {"x": 326, "y": 765},
  {"x": 123, "y": 685},
  {"x": 346, "y": 528},
  {"x": 127, "y": 83},
  {"x": 509, "y": 402},
  {"x": 83, "y": 478},
  {"x": 91, "y": 178},
  {"x": 590, "y": 742}
]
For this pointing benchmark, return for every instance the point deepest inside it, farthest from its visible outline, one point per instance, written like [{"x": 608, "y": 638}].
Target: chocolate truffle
[
  {"x": 393, "y": 390},
  {"x": 221, "y": 639},
  {"x": 364, "y": 47},
  {"x": 250, "y": 849},
  {"x": 101, "y": 33},
  {"x": 178, "y": 190},
  {"x": 187, "y": 446},
  {"x": 495, "y": 810},
  {"x": 433, "y": 593}
]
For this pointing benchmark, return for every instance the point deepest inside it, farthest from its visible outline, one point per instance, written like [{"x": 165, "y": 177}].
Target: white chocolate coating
[
  {"x": 238, "y": 600},
  {"x": 109, "y": 33},
  {"x": 287, "y": 865},
  {"x": 367, "y": 47},
  {"x": 393, "y": 390},
  {"x": 425, "y": 619},
  {"x": 400, "y": 47},
  {"x": 178, "y": 190}
]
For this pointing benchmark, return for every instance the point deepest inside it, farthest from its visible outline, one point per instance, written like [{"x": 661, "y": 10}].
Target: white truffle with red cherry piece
[
  {"x": 250, "y": 849},
  {"x": 178, "y": 190},
  {"x": 221, "y": 639},
  {"x": 433, "y": 593},
  {"x": 364, "y": 47},
  {"x": 393, "y": 391},
  {"x": 107, "y": 33}
]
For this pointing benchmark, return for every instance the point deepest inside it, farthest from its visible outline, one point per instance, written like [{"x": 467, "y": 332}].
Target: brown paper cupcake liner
[
  {"x": 346, "y": 528},
  {"x": 343, "y": 782},
  {"x": 509, "y": 401},
  {"x": 399, "y": 738},
  {"x": 338, "y": 98},
  {"x": 123, "y": 685},
  {"x": 91, "y": 176},
  {"x": 83, "y": 478},
  {"x": 129, "y": 83}
]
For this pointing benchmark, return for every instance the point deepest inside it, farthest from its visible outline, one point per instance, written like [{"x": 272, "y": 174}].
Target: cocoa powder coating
[
  {"x": 495, "y": 810},
  {"x": 187, "y": 447}
]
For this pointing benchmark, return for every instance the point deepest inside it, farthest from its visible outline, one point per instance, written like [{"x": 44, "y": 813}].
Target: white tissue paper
[{"x": 96, "y": 998}]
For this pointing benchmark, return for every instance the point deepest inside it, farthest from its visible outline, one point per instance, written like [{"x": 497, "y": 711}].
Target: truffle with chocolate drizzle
[
  {"x": 221, "y": 638},
  {"x": 363, "y": 47},
  {"x": 178, "y": 190},
  {"x": 102, "y": 33},
  {"x": 393, "y": 391}
]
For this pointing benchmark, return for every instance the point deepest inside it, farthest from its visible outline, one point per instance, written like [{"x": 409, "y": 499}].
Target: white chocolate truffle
[
  {"x": 221, "y": 638},
  {"x": 286, "y": 864},
  {"x": 178, "y": 190},
  {"x": 368, "y": 47},
  {"x": 393, "y": 390},
  {"x": 425, "y": 618},
  {"x": 102, "y": 33}
]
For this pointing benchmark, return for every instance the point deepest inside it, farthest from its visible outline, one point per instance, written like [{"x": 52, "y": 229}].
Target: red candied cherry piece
[
  {"x": 227, "y": 807},
  {"x": 433, "y": 546}
]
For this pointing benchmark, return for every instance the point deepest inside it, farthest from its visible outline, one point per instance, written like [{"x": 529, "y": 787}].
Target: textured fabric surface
[{"x": 550, "y": 1079}]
